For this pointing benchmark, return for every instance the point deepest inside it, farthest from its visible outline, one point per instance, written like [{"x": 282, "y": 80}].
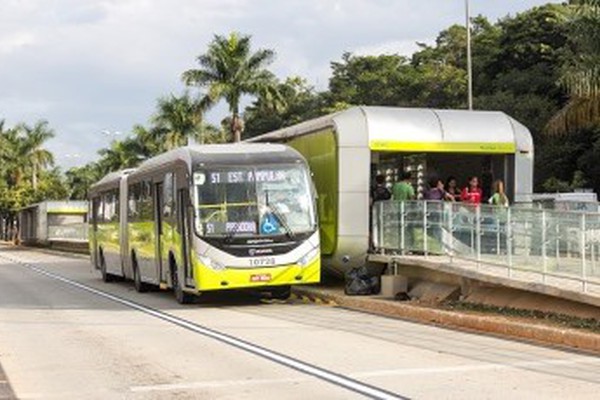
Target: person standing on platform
[
  {"x": 403, "y": 190},
  {"x": 471, "y": 194},
  {"x": 452, "y": 188},
  {"x": 380, "y": 192},
  {"x": 436, "y": 191},
  {"x": 499, "y": 197}
]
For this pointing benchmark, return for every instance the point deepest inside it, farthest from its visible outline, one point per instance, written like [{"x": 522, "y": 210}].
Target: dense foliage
[{"x": 27, "y": 173}]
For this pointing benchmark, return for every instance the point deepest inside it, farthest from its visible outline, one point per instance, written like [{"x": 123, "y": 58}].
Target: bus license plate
[{"x": 260, "y": 278}]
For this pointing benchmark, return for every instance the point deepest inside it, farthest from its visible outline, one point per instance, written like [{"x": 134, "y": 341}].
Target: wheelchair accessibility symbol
[{"x": 269, "y": 225}]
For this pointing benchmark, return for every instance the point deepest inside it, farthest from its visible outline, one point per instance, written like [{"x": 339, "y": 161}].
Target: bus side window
[
  {"x": 168, "y": 196},
  {"x": 145, "y": 202},
  {"x": 114, "y": 217},
  {"x": 110, "y": 211},
  {"x": 106, "y": 207},
  {"x": 132, "y": 203},
  {"x": 97, "y": 210}
]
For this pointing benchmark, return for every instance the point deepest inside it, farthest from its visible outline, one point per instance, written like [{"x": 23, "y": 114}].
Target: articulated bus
[{"x": 204, "y": 218}]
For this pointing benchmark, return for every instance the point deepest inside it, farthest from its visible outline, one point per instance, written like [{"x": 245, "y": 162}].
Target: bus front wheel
[
  {"x": 181, "y": 296},
  {"x": 281, "y": 292}
]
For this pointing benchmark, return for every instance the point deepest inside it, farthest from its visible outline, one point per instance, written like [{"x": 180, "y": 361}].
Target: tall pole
[{"x": 469, "y": 67}]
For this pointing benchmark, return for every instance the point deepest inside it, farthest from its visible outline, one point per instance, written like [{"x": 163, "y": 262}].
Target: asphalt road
[{"x": 58, "y": 341}]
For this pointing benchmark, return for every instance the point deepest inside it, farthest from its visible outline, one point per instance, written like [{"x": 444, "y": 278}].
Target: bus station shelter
[
  {"x": 50, "y": 221},
  {"x": 346, "y": 150}
]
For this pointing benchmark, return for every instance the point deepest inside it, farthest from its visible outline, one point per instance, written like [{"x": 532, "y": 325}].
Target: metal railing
[{"x": 544, "y": 246}]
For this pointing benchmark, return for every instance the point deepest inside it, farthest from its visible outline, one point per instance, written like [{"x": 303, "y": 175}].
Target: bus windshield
[{"x": 254, "y": 201}]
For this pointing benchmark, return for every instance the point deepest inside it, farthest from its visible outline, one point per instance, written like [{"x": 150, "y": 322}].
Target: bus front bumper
[{"x": 230, "y": 278}]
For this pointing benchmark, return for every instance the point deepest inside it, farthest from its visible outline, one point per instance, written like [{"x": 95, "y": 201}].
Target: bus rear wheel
[
  {"x": 181, "y": 296},
  {"x": 140, "y": 286},
  {"x": 106, "y": 277}
]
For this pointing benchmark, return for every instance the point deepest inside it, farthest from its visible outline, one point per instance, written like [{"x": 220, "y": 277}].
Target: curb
[
  {"x": 49, "y": 250},
  {"x": 312, "y": 298},
  {"x": 496, "y": 325}
]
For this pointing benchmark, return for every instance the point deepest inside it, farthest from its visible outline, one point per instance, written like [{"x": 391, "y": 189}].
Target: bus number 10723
[{"x": 262, "y": 262}]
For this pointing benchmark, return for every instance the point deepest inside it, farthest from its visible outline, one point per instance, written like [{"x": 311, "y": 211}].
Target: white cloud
[{"x": 15, "y": 41}]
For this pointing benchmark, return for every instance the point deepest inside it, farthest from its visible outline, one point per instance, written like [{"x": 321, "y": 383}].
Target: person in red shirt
[{"x": 471, "y": 193}]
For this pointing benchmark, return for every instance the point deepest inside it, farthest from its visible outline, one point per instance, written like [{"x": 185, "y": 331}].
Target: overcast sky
[{"x": 93, "y": 65}]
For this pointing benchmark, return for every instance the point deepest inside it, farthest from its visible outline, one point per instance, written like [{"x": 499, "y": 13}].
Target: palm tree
[
  {"x": 121, "y": 154},
  {"x": 14, "y": 151},
  {"x": 37, "y": 157},
  {"x": 4, "y": 145},
  {"x": 208, "y": 134},
  {"x": 229, "y": 70},
  {"x": 79, "y": 179},
  {"x": 178, "y": 119},
  {"x": 148, "y": 140},
  {"x": 581, "y": 75}
]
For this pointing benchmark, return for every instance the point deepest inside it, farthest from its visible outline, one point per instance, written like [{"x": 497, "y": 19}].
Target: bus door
[
  {"x": 183, "y": 223},
  {"x": 158, "y": 212},
  {"x": 93, "y": 226},
  {"x": 166, "y": 224}
]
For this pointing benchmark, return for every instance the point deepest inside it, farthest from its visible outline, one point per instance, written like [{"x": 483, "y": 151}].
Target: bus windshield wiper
[{"x": 280, "y": 217}]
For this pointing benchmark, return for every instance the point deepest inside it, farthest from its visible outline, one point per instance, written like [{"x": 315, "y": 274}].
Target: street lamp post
[{"x": 469, "y": 67}]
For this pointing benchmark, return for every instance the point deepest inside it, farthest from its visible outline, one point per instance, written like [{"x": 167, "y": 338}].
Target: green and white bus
[{"x": 204, "y": 218}]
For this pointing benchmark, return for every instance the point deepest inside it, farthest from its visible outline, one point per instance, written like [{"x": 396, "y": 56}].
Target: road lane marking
[
  {"x": 476, "y": 367},
  {"x": 290, "y": 362},
  {"x": 370, "y": 374},
  {"x": 213, "y": 384}
]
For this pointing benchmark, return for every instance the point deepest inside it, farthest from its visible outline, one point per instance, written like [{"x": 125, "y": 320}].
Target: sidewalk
[{"x": 507, "y": 327}]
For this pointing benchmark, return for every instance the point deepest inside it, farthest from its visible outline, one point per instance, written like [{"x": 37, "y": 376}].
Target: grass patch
[{"x": 563, "y": 320}]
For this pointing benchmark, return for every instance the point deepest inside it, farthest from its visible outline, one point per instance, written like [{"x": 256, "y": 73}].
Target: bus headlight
[
  {"x": 308, "y": 257},
  {"x": 212, "y": 264}
]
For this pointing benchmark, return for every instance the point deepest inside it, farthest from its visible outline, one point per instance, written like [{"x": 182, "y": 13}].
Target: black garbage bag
[{"x": 360, "y": 283}]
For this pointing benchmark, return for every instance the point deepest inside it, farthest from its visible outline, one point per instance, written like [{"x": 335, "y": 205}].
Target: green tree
[
  {"x": 178, "y": 119},
  {"x": 36, "y": 155},
  {"x": 581, "y": 71},
  {"x": 449, "y": 51},
  {"x": 229, "y": 70},
  {"x": 14, "y": 156},
  {"x": 79, "y": 180},
  {"x": 52, "y": 186},
  {"x": 300, "y": 102},
  {"x": 148, "y": 140},
  {"x": 516, "y": 66},
  {"x": 387, "y": 80},
  {"x": 121, "y": 154},
  {"x": 24, "y": 174}
]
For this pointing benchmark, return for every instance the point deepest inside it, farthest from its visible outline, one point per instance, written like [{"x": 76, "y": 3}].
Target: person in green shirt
[
  {"x": 499, "y": 197},
  {"x": 403, "y": 190}
]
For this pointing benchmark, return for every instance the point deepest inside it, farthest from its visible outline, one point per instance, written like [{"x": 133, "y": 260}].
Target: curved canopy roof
[{"x": 419, "y": 130}]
